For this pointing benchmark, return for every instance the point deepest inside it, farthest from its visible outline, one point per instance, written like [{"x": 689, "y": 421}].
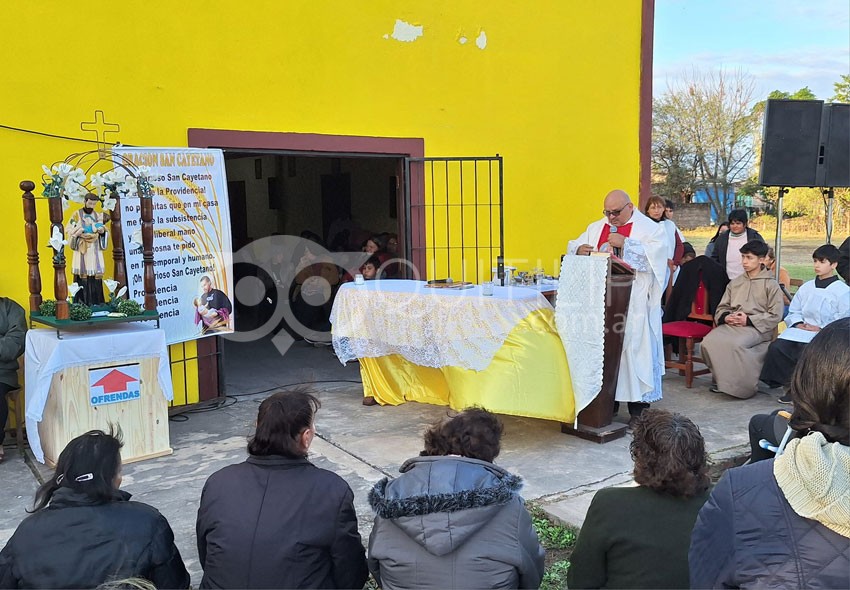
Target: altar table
[
  {"x": 58, "y": 390},
  {"x": 455, "y": 347}
]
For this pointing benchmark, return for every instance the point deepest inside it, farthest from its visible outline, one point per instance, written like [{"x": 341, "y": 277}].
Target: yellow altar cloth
[{"x": 529, "y": 376}]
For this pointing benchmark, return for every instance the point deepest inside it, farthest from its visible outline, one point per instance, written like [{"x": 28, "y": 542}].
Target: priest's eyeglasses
[{"x": 614, "y": 212}]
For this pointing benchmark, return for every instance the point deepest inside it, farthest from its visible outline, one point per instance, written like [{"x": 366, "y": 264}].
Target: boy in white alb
[{"x": 817, "y": 303}]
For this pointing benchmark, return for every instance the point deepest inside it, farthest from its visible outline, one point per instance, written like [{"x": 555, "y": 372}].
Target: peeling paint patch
[
  {"x": 462, "y": 40},
  {"x": 481, "y": 40},
  {"x": 406, "y": 32}
]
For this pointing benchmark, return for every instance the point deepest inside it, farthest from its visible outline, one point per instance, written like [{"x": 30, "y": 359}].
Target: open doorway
[{"x": 290, "y": 194}]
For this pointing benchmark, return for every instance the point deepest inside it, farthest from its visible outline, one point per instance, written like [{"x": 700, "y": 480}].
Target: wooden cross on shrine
[{"x": 100, "y": 128}]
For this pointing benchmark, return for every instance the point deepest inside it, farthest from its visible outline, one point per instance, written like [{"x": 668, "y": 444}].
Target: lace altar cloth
[
  {"x": 429, "y": 327},
  {"x": 580, "y": 320}
]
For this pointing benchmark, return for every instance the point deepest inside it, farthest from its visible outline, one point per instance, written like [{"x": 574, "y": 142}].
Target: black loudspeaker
[
  {"x": 790, "y": 143},
  {"x": 834, "y": 149}
]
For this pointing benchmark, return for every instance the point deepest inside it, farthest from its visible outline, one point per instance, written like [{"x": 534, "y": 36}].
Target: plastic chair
[{"x": 689, "y": 332}]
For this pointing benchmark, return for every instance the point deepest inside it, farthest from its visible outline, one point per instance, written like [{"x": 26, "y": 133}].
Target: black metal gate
[{"x": 454, "y": 218}]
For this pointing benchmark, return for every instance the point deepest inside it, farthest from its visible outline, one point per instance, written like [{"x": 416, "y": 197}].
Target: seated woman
[
  {"x": 276, "y": 520},
  {"x": 721, "y": 229},
  {"x": 629, "y": 531},
  {"x": 783, "y": 523},
  {"x": 84, "y": 531},
  {"x": 747, "y": 318},
  {"x": 452, "y": 519}
]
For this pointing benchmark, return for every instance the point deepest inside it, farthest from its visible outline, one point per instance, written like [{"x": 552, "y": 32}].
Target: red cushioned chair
[{"x": 689, "y": 332}]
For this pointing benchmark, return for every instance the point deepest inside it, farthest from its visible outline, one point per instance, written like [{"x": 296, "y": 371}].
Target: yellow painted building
[{"x": 560, "y": 89}]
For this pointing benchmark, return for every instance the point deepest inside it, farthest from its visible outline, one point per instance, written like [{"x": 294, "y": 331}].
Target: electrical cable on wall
[{"x": 54, "y": 136}]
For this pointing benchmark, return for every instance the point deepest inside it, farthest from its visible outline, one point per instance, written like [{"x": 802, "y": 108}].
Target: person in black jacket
[
  {"x": 85, "y": 531},
  {"x": 13, "y": 330},
  {"x": 844, "y": 260},
  {"x": 739, "y": 234},
  {"x": 276, "y": 520}
]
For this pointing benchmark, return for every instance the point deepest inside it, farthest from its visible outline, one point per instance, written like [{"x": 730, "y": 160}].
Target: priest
[{"x": 640, "y": 242}]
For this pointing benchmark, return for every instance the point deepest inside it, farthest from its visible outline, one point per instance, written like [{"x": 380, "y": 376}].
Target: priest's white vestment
[{"x": 645, "y": 250}]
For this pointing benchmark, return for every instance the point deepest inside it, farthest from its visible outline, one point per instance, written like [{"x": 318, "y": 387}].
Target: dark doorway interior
[{"x": 288, "y": 194}]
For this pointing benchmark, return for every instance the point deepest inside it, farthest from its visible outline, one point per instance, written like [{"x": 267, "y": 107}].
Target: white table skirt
[
  {"x": 429, "y": 327},
  {"x": 46, "y": 355}
]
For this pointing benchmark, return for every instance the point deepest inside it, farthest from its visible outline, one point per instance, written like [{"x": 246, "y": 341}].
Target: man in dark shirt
[{"x": 213, "y": 307}]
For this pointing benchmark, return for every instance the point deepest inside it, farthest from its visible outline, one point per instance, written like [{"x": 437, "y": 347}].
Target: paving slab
[{"x": 363, "y": 444}]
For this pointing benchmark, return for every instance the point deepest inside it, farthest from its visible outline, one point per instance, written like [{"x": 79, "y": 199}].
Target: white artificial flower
[
  {"x": 143, "y": 171},
  {"x": 77, "y": 175},
  {"x": 121, "y": 292},
  {"x": 109, "y": 204},
  {"x": 63, "y": 169},
  {"x": 110, "y": 285},
  {"x": 56, "y": 242},
  {"x": 65, "y": 203},
  {"x": 97, "y": 183},
  {"x": 73, "y": 288},
  {"x": 113, "y": 178},
  {"x": 47, "y": 170},
  {"x": 74, "y": 191},
  {"x": 130, "y": 188},
  {"x": 136, "y": 238}
]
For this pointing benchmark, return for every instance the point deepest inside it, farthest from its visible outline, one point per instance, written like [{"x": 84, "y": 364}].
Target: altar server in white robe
[
  {"x": 642, "y": 244},
  {"x": 817, "y": 303}
]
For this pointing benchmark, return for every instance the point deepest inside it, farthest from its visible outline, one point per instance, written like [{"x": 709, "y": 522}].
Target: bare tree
[{"x": 709, "y": 118}]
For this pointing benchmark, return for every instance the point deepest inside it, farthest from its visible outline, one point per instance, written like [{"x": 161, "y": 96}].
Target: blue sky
[{"x": 784, "y": 44}]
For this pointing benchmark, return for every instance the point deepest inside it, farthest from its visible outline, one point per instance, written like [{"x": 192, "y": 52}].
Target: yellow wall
[{"x": 555, "y": 91}]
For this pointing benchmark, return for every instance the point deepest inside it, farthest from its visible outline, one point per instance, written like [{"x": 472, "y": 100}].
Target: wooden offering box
[{"x": 138, "y": 408}]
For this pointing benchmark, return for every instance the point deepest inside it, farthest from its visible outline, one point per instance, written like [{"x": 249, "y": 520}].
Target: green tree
[
  {"x": 842, "y": 89},
  {"x": 706, "y": 125},
  {"x": 673, "y": 163}
]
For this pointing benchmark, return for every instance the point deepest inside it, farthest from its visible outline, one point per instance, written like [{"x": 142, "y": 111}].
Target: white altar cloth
[
  {"x": 427, "y": 326},
  {"x": 580, "y": 318},
  {"x": 46, "y": 355}
]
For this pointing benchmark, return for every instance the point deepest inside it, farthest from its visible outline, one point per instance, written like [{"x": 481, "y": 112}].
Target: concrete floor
[{"x": 364, "y": 444}]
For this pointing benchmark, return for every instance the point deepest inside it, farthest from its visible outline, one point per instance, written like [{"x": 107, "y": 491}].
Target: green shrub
[
  {"x": 47, "y": 307},
  {"x": 555, "y": 577},
  {"x": 129, "y": 307},
  {"x": 80, "y": 312}
]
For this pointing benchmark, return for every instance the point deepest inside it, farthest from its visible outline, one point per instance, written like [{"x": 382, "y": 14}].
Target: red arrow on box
[{"x": 114, "y": 381}]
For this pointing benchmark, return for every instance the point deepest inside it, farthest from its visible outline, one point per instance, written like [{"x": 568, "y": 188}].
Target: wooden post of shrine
[
  {"x": 31, "y": 234},
  {"x": 60, "y": 281},
  {"x": 120, "y": 270},
  {"x": 146, "y": 214}
]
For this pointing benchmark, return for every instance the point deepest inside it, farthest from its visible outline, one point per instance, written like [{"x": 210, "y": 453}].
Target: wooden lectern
[{"x": 595, "y": 422}]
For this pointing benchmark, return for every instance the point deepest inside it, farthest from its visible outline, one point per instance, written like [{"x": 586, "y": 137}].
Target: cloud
[{"x": 790, "y": 69}]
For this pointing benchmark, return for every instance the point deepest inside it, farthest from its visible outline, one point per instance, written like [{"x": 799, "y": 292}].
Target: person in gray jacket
[
  {"x": 453, "y": 519},
  {"x": 785, "y": 522}
]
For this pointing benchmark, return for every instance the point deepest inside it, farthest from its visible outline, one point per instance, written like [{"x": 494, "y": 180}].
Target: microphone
[{"x": 614, "y": 230}]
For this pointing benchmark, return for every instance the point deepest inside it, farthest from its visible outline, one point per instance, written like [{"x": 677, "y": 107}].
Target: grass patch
[{"x": 558, "y": 540}]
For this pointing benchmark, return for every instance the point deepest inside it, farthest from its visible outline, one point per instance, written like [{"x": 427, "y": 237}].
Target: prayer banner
[{"x": 192, "y": 248}]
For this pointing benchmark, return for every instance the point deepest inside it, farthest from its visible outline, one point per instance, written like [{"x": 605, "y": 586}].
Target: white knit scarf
[{"x": 814, "y": 476}]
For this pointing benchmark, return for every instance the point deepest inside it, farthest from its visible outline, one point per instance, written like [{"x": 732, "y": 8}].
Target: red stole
[{"x": 623, "y": 230}]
